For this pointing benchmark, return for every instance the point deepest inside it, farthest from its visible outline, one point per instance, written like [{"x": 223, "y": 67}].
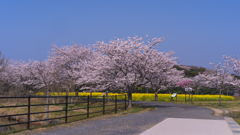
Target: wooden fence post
[
  {"x": 88, "y": 107},
  {"x": 66, "y": 109},
  {"x": 115, "y": 103},
  {"x": 125, "y": 102},
  {"x": 28, "y": 126},
  {"x": 104, "y": 105}
]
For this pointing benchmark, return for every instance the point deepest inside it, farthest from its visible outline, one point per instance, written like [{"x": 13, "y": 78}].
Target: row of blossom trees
[
  {"x": 220, "y": 79},
  {"x": 120, "y": 64}
]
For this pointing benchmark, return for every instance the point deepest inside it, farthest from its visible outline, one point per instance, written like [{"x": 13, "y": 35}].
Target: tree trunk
[
  {"x": 69, "y": 95},
  {"x": 129, "y": 99},
  {"x": 220, "y": 92},
  {"x": 107, "y": 96},
  {"x": 47, "y": 107},
  {"x": 147, "y": 90},
  {"x": 58, "y": 98},
  {"x": 189, "y": 96},
  {"x": 156, "y": 96},
  {"x": 169, "y": 90},
  {"x": 90, "y": 95},
  {"x": 76, "y": 93}
]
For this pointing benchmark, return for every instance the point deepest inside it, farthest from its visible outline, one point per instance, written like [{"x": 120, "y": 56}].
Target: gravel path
[{"x": 132, "y": 124}]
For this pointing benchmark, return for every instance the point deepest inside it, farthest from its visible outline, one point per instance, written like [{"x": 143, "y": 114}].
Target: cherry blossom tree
[
  {"x": 126, "y": 63},
  {"x": 15, "y": 75},
  {"x": 3, "y": 62},
  {"x": 164, "y": 78},
  {"x": 70, "y": 60},
  {"x": 43, "y": 72},
  {"x": 174, "y": 77},
  {"x": 199, "y": 82},
  {"x": 233, "y": 63},
  {"x": 9, "y": 78},
  {"x": 185, "y": 83},
  {"x": 219, "y": 78},
  {"x": 196, "y": 82},
  {"x": 231, "y": 83},
  {"x": 44, "y": 75}
]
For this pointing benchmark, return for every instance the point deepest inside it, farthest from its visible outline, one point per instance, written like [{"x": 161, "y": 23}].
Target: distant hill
[{"x": 191, "y": 71}]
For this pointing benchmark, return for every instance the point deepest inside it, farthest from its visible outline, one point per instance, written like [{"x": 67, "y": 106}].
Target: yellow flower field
[
  {"x": 79, "y": 94},
  {"x": 147, "y": 96},
  {"x": 180, "y": 97}
]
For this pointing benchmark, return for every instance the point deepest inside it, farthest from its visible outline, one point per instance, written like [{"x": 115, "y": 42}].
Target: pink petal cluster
[{"x": 185, "y": 83}]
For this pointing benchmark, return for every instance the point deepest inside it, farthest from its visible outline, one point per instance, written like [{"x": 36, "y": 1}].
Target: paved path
[
  {"x": 181, "y": 126},
  {"x": 135, "y": 124}
]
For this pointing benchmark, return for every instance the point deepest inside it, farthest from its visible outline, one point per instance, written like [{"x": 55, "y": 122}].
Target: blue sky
[{"x": 199, "y": 32}]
